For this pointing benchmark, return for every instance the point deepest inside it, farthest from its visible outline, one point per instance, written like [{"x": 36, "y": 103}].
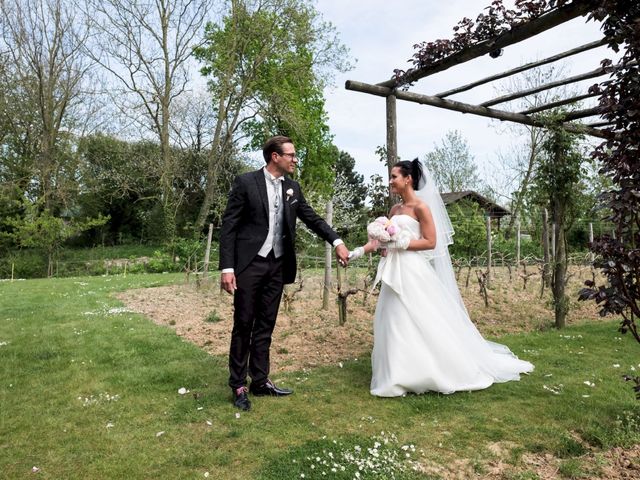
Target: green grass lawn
[{"x": 89, "y": 390}]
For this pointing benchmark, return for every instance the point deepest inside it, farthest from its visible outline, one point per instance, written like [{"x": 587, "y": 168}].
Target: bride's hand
[{"x": 372, "y": 245}]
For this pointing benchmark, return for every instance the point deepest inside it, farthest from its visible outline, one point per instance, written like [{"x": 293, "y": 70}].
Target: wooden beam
[
  {"x": 517, "y": 34},
  {"x": 588, "y": 112},
  {"x": 540, "y": 88},
  {"x": 600, "y": 124},
  {"x": 559, "y": 103},
  {"x": 523, "y": 68},
  {"x": 381, "y": 91}
]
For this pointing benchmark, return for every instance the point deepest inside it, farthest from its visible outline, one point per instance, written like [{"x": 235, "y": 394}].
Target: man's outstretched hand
[{"x": 342, "y": 252}]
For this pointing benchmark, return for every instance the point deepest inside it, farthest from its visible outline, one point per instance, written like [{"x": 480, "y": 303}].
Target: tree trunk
[{"x": 559, "y": 282}]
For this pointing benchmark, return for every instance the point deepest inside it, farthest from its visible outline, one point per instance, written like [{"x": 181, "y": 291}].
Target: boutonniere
[{"x": 289, "y": 193}]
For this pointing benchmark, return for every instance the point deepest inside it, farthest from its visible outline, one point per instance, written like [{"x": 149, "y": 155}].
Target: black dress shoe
[
  {"x": 270, "y": 389},
  {"x": 240, "y": 399}
]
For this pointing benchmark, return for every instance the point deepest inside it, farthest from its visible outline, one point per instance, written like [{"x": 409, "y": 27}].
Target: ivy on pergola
[{"x": 396, "y": 88}]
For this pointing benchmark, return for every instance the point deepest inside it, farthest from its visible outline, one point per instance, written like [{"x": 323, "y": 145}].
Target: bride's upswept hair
[{"x": 413, "y": 168}]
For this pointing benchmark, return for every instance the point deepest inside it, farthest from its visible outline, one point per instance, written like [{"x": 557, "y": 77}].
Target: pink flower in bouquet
[{"x": 382, "y": 229}]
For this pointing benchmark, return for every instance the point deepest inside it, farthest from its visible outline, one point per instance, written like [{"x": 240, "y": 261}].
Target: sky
[{"x": 380, "y": 36}]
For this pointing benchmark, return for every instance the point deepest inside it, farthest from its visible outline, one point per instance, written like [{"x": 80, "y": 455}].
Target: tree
[
  {"x": 44, "y": 72},
  {"x": 378, "y": 193},
  {"x": 470, "y": 228},
  {"x": 40, "y": 229},
  {"x": 119, "y": 179},
  {"x": 351, "y": 180},
  {"x": 263, "y": 65},
  {"x": 452, "y": 165},
  {"x": 559, "y": 174},
  {"x": 520, "y": 165},
  {"x": 146, "y": 47}
]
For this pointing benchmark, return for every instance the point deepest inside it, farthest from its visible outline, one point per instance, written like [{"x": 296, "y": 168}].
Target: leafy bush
[{"x": 161, "y": 262}]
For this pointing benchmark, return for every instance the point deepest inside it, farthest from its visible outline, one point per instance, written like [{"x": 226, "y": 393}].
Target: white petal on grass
[{"x": 159, "y": 434}]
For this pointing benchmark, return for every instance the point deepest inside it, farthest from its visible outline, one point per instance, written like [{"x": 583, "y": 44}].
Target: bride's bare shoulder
[{"x": 422, "y": 210}]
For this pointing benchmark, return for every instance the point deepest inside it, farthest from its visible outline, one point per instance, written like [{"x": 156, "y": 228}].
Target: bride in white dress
[{"x": 424, "y": 339}]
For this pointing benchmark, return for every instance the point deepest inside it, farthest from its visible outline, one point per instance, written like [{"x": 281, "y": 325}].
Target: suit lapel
[
  {"x": 287, "y": 184},
  {"x": 261, "y": 186}
]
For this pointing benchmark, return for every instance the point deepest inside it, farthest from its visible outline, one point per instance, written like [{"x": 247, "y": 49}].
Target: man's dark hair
[{"x": 274, "y": 144}]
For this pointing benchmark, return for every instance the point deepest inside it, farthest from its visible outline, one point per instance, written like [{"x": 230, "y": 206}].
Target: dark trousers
[{"x": 256, "y": 302}]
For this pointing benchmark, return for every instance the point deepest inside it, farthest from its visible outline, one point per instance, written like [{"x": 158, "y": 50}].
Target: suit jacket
[{"x": 245, "y": 223}]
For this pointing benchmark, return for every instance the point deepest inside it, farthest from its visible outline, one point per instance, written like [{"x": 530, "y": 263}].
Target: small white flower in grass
[
  {"x": 616, "y": 365},
  {"x": 339, "y": 363},
  {"x": 200, "y": 408},
  {"x": 589, "y": 384},
  {"x": 206, "y": 474},
  {"x": 110, "y": 425},
  {"x": 159, "y": 434},
  {"x": 237, "y": 414},
  {"x": 302, "y": 475},
  {"x": 35, "y": 469},
  {"x": 209, "y": 422},
  {"x": 183, "y": 391}
]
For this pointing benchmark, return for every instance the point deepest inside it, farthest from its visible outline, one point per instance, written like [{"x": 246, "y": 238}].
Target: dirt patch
[{"x": 308, "y": 336}]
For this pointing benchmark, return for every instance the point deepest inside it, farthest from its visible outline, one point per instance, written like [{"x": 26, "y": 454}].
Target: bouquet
[
  {"x": 382, "y": 229},
  {"x": 387, "y": 233}
]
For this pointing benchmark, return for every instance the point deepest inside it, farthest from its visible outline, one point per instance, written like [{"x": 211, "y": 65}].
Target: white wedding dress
[{"x": 423, "y": 337}]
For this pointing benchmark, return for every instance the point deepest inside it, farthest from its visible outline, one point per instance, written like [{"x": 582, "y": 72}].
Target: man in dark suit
[{"x": 257, "y": 258}]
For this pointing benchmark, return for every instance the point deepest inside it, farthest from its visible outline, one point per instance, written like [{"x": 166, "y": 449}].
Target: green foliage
[
  {"x": 378, "y": 193},
  {"x": 470, "y": 237},
  {"x": 161, "y": 262},
  {"x": 213, "y": 317},
  {"x": 41, "y": 230},
  {"x": 267, "y": 66}
]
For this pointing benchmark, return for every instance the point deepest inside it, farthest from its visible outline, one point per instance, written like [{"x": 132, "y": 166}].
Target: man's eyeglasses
[{"x": 292, "y": 156}]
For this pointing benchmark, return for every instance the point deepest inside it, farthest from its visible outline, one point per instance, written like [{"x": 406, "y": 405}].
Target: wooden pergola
[
  {"x": 393, "y": 90},
  {"x": 531, "y": 117}
]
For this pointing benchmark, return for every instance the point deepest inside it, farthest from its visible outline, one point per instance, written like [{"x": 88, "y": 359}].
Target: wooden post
[
  {"x": 593, "y": 257},
  {"x": 545, "y": 247},
  {"x": 205, "y": 267},
  {"x": 517, "y": 244},
  {"x": 328, "y": 254},
  {"x": 488, "y": 250},
  {"x": 392, "y": 140}
]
